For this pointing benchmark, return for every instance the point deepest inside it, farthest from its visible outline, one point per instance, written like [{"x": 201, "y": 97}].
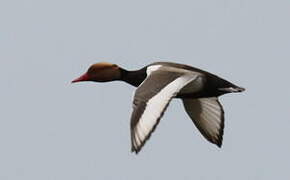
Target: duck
[{"x": 160, "y": 82}]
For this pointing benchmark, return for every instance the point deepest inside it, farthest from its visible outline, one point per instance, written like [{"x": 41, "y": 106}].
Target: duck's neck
[{"x": 135, "y": 78}]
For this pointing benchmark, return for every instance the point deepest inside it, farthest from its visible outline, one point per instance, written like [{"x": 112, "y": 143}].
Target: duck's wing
[
  {"x": 208, "y": 116},
  {"x": 151, "y": 100}
]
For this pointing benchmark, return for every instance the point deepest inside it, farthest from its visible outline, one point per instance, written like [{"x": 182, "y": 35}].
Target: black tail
[{"x": 232, "y": 89}]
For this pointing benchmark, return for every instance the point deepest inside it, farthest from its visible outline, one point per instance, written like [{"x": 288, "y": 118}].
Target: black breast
[{"x": 135, "y": 78}]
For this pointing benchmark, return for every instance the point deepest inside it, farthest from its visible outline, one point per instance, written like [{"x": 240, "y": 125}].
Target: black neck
[{"x": 135, "y": 78}]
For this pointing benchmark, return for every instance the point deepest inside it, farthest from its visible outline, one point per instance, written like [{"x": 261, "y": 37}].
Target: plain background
[{"x": 52, "y": 130}]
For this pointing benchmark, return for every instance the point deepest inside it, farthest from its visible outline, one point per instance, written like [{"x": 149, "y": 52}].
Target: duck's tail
[{"x": 233, "y": 89}]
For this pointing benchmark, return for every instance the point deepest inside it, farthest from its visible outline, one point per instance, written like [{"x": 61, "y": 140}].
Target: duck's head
[{"x": 101, "y": 72}]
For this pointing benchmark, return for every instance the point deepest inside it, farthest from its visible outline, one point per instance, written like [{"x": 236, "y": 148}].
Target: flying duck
[{"x": 157, "y": 84}]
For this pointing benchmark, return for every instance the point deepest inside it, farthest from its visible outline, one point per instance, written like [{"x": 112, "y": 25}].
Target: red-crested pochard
[{"x": 157, "y": 84}]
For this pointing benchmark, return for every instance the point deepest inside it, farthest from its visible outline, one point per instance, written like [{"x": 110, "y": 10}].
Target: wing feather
[
  {"x": 151, "y": 99},
  {"x": 208, "y": 116}
]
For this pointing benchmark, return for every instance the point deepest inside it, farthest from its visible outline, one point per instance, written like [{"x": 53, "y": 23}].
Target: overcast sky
[{"x": 52, "y": 130}]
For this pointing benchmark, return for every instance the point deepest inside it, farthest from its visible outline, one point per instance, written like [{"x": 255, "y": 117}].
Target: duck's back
[{"x": 212, "y": 83}]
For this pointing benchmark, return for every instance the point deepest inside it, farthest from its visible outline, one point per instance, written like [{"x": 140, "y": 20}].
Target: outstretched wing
[
  {"x": 151, "y": 100},
  {"x": 208, "y": 116}
]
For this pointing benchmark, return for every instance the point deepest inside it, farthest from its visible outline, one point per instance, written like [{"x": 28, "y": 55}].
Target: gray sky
[{"x": 52, "y": 130}]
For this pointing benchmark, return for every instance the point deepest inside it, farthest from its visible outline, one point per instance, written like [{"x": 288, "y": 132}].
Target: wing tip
[
  {"x": 219, "y": 141},
  {"x": 219, "y": 144},
  {"x": 135, "y": 150}
]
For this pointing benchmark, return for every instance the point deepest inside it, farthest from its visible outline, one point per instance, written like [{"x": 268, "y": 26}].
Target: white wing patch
[
  {"x": 208, "y": 115},
  {"x": 150, "y": 69},
  {"x": 156, "y": 106}
]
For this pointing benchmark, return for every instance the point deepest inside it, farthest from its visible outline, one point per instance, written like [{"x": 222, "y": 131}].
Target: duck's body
[
  {"x": 157, "y": 84},
  {"x": 212, "y": 83}
]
